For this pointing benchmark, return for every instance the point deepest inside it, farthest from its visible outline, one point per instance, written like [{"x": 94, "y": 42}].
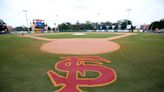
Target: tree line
[
  {"x": 120, "y": 24},
  {"x": 157, "y": 25}
]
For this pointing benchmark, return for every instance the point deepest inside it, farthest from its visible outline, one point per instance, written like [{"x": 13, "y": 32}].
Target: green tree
[
  {"x": 21, "y": 28},
  {"x": 76, "y": 26},
  {"x": 162, "y": 23},
  {"x": 157, "y": 24},
  {"x": 65, "y": 26},
  {"x": 154, "y": 25}
]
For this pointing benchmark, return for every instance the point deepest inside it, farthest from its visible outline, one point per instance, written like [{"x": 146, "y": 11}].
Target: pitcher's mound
[{"x": 80, "y": 46}]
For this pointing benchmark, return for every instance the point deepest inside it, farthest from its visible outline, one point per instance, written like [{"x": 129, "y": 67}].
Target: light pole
[
  {"x": 98, "y": 15},
  {"x": 128, "y": 10},
  {"x": 57, "y": 23},
  {"x": 25, "y": 11}
]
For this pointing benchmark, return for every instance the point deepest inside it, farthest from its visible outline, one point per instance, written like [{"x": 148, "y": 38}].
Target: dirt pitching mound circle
[{"x": 80, "y": 46}]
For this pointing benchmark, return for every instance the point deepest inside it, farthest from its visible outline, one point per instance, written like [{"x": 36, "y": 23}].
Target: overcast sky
[{"x": 143, "y": 11}]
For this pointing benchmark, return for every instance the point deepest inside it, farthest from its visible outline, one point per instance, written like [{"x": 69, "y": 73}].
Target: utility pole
[{"x": 25, "y": 11}]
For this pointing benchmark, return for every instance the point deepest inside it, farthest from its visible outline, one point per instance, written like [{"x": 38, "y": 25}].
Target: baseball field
[{"x": 138, "y": 63}]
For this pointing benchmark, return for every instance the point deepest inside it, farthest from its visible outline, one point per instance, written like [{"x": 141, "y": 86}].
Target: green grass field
[
  {"x": 69, "y": 35},
  {"x": 139, "y": 64}
]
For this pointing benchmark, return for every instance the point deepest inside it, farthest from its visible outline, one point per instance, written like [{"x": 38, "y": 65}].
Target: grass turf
[
  {"x": 69, "y": 35},
  {"x": 139, "y": 65}
]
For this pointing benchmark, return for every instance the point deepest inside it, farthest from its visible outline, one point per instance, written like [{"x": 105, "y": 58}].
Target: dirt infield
[{"x": 80, "y": 46}]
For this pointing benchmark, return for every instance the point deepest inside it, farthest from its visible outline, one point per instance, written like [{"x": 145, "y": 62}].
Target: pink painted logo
[{"x": 76, "y": 67}]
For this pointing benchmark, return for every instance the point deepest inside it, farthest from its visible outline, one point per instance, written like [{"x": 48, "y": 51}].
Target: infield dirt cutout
[{"x": 80, "y": 46}]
